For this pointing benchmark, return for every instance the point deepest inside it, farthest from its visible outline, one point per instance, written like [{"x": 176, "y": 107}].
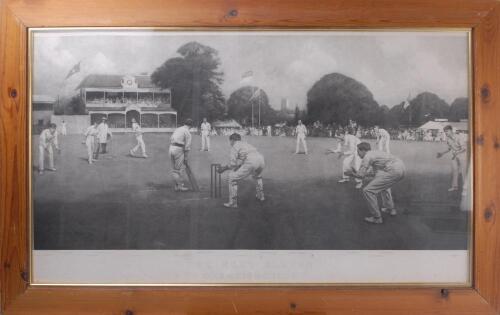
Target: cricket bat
[{"x": 191, "y": 178}]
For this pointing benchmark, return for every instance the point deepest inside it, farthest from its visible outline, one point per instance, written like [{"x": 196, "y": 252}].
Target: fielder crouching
[
  {"x": 389, "y": 170},
  {"x": 244, "y": 160}
]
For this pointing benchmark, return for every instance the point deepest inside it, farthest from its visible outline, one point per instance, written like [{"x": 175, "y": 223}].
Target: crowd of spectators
[
  {"x": 318, "y": 129},
  {"x": 142, "y": 101}
]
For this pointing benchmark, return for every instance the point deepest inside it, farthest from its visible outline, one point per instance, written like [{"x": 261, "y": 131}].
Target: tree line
[
  {"x": 195, "y": 78},
  {"x": 336, "y": 99}
]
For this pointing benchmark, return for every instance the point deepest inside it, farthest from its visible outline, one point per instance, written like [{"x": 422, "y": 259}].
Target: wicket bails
[{"x": 215, "y": 181}]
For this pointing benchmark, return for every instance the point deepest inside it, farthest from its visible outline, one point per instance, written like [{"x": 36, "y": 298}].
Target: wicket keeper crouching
[
  {"x": 244, "y": 160},
  {"x": 389, "y": 170}
]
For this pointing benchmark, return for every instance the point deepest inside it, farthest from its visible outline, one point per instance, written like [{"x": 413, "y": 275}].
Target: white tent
[
  {"x": 432, "y": 125},
  {"x": 231, "y": 123},
  {"x": 439, "y": 125}
]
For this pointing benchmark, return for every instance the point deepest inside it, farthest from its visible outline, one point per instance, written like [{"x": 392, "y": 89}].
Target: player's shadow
[
  {"x": 158, "y": 186},
  {"x": 134, "y": 156}
]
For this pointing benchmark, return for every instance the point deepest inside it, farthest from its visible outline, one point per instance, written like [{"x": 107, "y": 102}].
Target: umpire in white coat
[{"x": 102, "y": 136}]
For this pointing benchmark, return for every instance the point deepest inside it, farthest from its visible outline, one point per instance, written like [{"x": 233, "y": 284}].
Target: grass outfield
[{"x": 122, "y": 202}]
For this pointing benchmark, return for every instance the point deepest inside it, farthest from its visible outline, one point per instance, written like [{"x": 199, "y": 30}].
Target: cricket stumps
[{"x": 215, "y": 181}]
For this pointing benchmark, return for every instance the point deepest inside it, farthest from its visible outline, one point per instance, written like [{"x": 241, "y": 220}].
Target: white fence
[{"x": 77, "y": 124}]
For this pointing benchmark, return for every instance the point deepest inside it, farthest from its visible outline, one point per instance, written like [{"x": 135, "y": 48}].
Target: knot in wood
[
  {"x": 488, "y": 214},
  {"x": 444, "y": 293},
  {"x": 12, "y": 93},
  {"x": 25, "y": 276},
  {"x": 480, "y": 140},
  {"x": 485, "y": 93}
]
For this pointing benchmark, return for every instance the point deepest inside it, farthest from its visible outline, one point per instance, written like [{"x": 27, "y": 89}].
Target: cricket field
[{"x": 122, "y": 202}]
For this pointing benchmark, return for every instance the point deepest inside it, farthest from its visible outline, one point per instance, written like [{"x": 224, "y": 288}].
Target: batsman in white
[
  {"x": 244, "y": 160},
  {"x": 301, "y": 132},
  {"x": 388, "y": 169},
  {"x": 383, "y": 139},
  {"x": 91, "y": 141},
  {"x": 205, "y": 135},
  {"x": 180, "y": 145},
  {"x": 136, "y": 128},
  {"x": 457, "y": 144},
  {"x": 48, "y": 139},
  {"x": 352, "y": 159}
]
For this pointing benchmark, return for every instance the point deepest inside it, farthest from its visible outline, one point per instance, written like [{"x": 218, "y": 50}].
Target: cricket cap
[{"x": 235, "y": 137}]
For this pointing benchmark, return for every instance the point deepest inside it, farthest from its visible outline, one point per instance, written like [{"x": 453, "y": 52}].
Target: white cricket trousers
[
  {"x": 383, "y": 145},
  {"x": 177, "y": 160},
  {"x": 140, "y": 144},
  {"x": 351, "y": 161},
  {"x": 41, "y": 157},
  {"x": 459, "y": 166},
  {"x": 89, "y": 142},
  {"x": 205, "y": 141},
  {"x": 382, "y": 184},
  {"x": 301, "y": 138},
  {"x": 253, "y": 165}
]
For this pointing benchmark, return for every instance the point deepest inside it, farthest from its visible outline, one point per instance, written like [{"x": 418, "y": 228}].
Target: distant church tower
[{"x": 284, "y": 104}]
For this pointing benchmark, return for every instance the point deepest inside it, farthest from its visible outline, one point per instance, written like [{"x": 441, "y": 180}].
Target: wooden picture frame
[{"x": 17, "y": 297}]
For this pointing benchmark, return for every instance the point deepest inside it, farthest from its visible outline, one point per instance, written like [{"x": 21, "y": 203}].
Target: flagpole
[
  {"x": 409, "y": 109},
  {"x": 249, "y": 74},
  {"x": 62, "y": 86},
  {"x": 252, "y": 113},
  {"x": 259, "y": 110}
]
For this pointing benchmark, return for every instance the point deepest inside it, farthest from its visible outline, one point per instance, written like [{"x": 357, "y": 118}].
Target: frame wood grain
[{"x": 16, "y": 16}]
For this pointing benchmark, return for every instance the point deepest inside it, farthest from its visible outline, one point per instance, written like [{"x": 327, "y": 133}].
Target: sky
[{"x": 392, "y": 65}]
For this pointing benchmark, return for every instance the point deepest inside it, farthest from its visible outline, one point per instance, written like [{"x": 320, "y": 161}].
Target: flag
[
  {"x": 255, "y": 94},
  {"x": 407, "y": 102},
  {"x": 75, "y": 69},
  {"x": 247, "y": 76}
]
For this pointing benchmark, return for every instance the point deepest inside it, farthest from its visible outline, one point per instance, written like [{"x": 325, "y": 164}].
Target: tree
[
  {"x": 459, "y": 109},
  {"x": 397, "y": 116},
  {"x": 384, "y": 117},
  {"x": 194, "y": 79},
  {"x": 73, "y": 106},
  {"x": 336, "y": 98},
  {"x": 296, "y": 116},
  {"x": 241, "y": 102},
  {"x": 424, "y": 107}
]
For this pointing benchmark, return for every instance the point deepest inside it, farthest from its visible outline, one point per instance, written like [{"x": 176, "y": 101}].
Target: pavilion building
[{"x": 121, "y": 98}]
